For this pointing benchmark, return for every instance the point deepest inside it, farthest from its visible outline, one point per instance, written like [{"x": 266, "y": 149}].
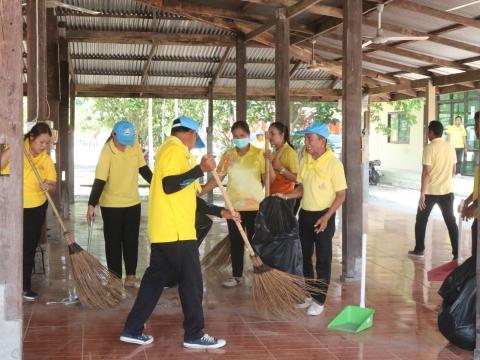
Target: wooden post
[
  {"x": 352, "y": 215},
  {"x": 429, "y": 109},
  {"x": 365, "y": 153},
  {"x": 11, "y": 186},
  {"x": 71, "y": 141},
  {"x": 241, "y": 80},
  {"x": 282, "y": 67},
  {"x": 210, "y": 134},
  {"x": 36, "y": 38},
  {"x": 63, "y": 176}
]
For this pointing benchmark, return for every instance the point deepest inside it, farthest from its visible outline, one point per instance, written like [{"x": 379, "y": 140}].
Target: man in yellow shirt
[
  {"x": 439, "y": 160},
  {"x": 322, "y": 188},
  {"x": 457, "y": 136},
  {"x": 171, "y": 226},
  {"x": 470, "y": 207}
]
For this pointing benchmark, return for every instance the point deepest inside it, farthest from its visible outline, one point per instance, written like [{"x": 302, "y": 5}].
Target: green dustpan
[{"x": 355, "y": 318}]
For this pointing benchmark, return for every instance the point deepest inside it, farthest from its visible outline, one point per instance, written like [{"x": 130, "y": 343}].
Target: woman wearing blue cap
[
  {"x": 115, "y": 188},
  {"x": 322, "y": 188}
]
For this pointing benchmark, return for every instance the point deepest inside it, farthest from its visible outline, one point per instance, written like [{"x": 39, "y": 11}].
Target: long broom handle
[
  {"x": 460, "y": 226},
  {"x": 232, "y": 209},
  {"x": 364, "y": 270},
  {"x": 49, "y": 198},
  {"x": 267, "y": 167}
]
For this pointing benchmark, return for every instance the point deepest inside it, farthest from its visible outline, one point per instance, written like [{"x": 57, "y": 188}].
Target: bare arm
[
  {"x": 425, "y": 181},
  {"x": 295, "y": 194},
  {"x": 465, "y": 143}
]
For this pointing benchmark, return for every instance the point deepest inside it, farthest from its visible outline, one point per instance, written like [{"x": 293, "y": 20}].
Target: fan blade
[
  {"x": 366, "y": 43},
  {"x": 54, "y": 3},
  {"x": 406, "y": 38}
]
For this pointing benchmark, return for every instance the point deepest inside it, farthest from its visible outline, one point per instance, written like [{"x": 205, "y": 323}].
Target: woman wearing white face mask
[{"x": 245, "y": 167}]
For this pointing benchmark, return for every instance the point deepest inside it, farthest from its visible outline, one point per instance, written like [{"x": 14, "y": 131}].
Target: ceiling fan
[
  {"x": 57, "y": 3},
  {"x": 379, "y": 38},
  {"x": 313, "y": 65}
]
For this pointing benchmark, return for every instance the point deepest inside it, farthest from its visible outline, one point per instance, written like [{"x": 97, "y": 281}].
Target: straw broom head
[{"x": 219, "y": 257}]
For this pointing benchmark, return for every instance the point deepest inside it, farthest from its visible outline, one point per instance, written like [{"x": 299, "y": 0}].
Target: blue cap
[
  {"x": 125, "y": 132},
  {"x": 191, "y": 124},
  {"x": 316, "y": 128}
]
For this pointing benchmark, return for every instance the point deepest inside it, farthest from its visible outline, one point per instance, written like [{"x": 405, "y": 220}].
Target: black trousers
[
  {"x": 474, "y": 237},
  {"x": 445, "y": 202},
  {"x": 120, "y": 230},
  {"x": 458, "y": 167},
  {"x": 33, "y": 220},
  {"x": 237, "y": 247},
  {"x": 323, "y": 249},
  {"x": 171, "y": 262}
]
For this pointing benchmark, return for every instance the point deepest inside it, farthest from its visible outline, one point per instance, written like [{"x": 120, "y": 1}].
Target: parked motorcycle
[{"x": 373, "y": 174}]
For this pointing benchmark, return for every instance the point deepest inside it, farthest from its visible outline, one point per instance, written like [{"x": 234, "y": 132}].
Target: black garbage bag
[
  {"x": 456, "y": 320},
  {"x": 276, "y": 237}
]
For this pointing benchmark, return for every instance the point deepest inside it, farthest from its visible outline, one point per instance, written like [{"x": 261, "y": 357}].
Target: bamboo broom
[
  {"x": 275, "y": 293},
  {"x": 97, "y": 286}
]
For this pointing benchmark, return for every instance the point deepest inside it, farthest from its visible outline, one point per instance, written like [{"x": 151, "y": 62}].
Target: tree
[{"x": 409, "y": 107}]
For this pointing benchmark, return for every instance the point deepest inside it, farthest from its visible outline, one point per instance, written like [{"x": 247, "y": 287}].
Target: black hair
[
  {"x": 38, "y": 129},
  {"x": 283, "y": 129},
  {"x": 178, "y": 129},
  {"x": 240, "y": 125},
  {"x": 477, "y": 117},
  {"x": 458, "y": 117},
  {"x": 436, "y": 127}
]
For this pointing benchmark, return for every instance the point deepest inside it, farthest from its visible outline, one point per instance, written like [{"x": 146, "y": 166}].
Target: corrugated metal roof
[
  {"x": 108, "y": 79},
  {"x": 84, "y": 48},
  {"x": 177, "y": 81}
]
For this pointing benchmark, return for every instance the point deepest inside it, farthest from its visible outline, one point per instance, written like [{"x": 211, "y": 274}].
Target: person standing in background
[{"x": 457, "y": 136}]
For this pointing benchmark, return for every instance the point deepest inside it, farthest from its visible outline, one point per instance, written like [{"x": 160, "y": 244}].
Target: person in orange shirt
[{"x": 284, "y": 160}]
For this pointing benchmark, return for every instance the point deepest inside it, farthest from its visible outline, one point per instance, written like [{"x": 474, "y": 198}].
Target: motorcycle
[{"x": 373, "y": 174}]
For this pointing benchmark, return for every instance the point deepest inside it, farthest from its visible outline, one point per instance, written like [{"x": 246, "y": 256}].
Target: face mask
[{"x": 241, "y": 143}]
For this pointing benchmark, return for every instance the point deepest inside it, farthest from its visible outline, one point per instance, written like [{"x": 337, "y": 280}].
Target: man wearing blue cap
[
  {"x": 171, "y": 226},
  {"x": 322, "y": 189}
]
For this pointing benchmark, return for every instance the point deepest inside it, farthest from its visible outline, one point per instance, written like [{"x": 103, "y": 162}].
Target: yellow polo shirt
[
  {"x": 441, "y": 157},
  {"x": 244, "y": 186},
  {"x": 457, "y": 134},
  {"x": 289, "y": 159},
  {"x": 33, "y": 195},
  {"x": 172, "y": 217},
  {"x": 119, "y": 169},
  {"x": 321, "y": 179}
]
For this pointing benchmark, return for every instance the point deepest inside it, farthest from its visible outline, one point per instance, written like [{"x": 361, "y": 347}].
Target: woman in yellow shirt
[
  {"x": 245, "y": 167},
  {"x": 284, "y": 161},
  {"x": 115, "y": 189},
  {"x": 36, "y": 142}
]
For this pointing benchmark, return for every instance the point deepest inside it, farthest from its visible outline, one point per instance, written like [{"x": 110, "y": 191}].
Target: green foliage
[{"x": 408, "y": 107}]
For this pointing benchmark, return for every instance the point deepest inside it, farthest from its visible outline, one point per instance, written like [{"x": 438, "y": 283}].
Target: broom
[
  {"x": 219, "y": 257},
  {"x": 275, "y": 292},
  {"x": 97, "y": 286}
]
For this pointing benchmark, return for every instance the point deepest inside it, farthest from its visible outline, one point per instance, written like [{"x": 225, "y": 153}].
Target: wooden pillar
[
  {"x": 36, "y": 38},
  {"x": 241, "y": 80},
  {"x": 63, "y": 121},
  {"x": 429, "y": 109},
  {"x": 11, "y": 186},
  {"x": 352, "y": 215},
  {"x": 282, "y": 67},
  {"x": 210, "y": 133},
  {"x": 476, "y": 353},
  {"x": 71, "y": 141}
]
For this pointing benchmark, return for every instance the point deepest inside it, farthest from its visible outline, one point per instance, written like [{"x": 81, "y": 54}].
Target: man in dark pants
[
  {"x": 470, "y": 207},
  {"x": 171, "y": 225},
  {"x": 322, "y": 185},
  {"x": 439, "y": 159}
]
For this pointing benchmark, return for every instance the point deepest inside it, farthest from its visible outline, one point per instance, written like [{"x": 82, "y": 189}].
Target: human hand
[
  {"x": 268, "y": 155},
  {"x": 90, "y": 213},
  {"x": 469, "y": 212},
  {"x": 208, "y": 163},
  {"x": 281, "y": 196},
  {"x": 321, "y": 224},
  {"x": 235, "y": 216},
  {"x": 421, "y": 202}
]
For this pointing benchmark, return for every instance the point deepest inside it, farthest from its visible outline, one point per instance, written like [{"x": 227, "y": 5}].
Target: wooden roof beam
[
  {"x": 153, "y": 50},
  {"x": 220, "y": 67},
  {"x": 444, "y": 15},
  {"x": 316, "y": 9}
]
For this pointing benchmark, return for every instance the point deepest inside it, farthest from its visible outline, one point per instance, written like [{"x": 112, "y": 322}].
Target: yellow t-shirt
[
  {"x": 441, "y": 157},
  {"x": 172, "y": 217},
  {"x": 321, "y": 179},
  {"x": 120, "y": 171},
  {"x": 289, "y": 159},
  {"x": 457, "y": 134},
  {"x": 33, "y": 195},
  {"x": 244, "y": 186}
]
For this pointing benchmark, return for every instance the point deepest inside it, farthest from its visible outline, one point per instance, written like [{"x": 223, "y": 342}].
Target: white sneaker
[
  {"x": 315, "y": 309},
  {"x": 232, "y": 282},
  {"x": 304, "y": 305}
]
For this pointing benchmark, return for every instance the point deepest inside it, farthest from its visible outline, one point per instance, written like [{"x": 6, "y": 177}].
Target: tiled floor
[{"x": 406, "y": 304}]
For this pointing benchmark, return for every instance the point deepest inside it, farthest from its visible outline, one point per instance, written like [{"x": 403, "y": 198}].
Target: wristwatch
[{"x": 282, "y": 171}]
